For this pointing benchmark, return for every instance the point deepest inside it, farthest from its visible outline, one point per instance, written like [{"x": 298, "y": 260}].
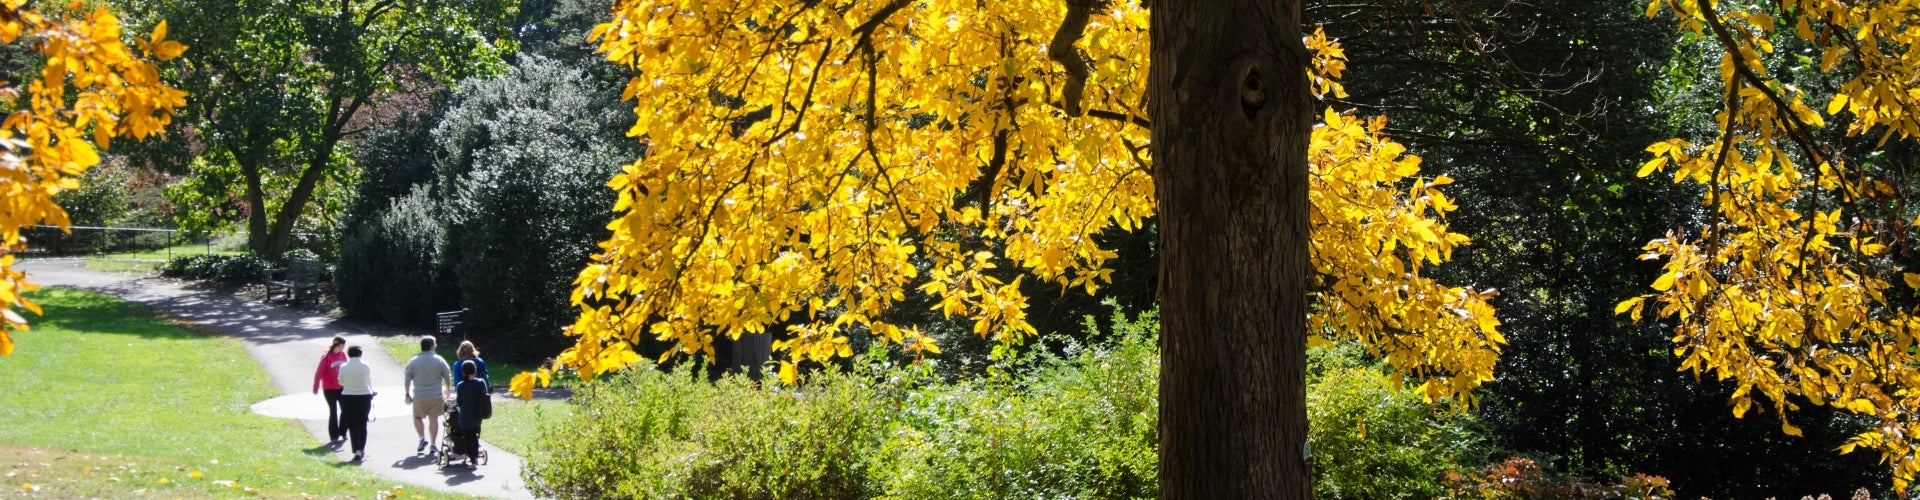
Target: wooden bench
[{"x": 300, "y": 279}]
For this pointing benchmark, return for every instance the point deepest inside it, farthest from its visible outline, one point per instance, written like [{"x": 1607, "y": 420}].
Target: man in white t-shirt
[{"x": 428, "y": 380}]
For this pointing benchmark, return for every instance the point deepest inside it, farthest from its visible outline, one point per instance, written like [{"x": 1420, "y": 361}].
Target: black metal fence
[{"x": 140, "y": 247}]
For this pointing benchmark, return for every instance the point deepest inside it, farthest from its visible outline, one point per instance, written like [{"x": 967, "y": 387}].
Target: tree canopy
[
  {"x": 799, "y": 178},
  {"x": 90, "y": 88},
  {"x": 284, "y": 83},
  {"x": 1791, "y": 289}
]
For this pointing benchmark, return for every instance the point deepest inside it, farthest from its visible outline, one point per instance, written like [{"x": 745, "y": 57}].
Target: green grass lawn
[
  {"x": 149, "y": 260},
  {"x": 103, "y": 400},
  {"x": 515, "y": 424}
]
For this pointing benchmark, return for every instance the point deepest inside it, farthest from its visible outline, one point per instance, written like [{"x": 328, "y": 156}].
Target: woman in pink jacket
[{"x": 327, "y": 377}]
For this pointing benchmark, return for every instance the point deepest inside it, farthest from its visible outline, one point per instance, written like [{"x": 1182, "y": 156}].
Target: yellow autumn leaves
[
  {"x": 91, "y": 89},
  {"x": 1371, "y": 242},
  {"x": 1784, "y": 293},
  {"x": 814, "y": 163}
]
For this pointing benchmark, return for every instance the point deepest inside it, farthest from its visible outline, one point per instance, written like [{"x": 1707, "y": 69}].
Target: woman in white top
[{"x": 356, "y": 400}]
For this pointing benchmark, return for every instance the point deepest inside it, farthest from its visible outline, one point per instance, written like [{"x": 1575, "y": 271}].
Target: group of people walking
[{"x": 428, "y": 380}]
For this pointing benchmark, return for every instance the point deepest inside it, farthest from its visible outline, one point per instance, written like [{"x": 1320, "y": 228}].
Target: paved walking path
[{"x": 288, "y": 344}]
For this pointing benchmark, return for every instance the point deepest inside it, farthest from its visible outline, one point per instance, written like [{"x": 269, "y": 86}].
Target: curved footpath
[{"x": 288, "y": 344}]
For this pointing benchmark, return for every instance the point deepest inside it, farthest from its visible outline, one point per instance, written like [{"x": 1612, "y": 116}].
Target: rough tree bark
[{"x": 1228, "y": 97}]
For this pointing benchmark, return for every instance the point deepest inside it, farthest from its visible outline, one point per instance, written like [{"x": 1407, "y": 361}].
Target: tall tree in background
[
  {"x": 282, "y": 82},
  {"x": 811, "y": 163},
  {"x": 90, "y": 88}
]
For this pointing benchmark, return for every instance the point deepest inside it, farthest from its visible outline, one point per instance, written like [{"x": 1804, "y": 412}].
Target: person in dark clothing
[{"x": 470, "y": 396}]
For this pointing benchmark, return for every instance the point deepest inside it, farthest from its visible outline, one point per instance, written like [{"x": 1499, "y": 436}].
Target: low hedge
[{"x": 237, "y": 268}]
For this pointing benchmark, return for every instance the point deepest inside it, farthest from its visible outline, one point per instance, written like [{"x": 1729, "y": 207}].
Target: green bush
[
  {"x": 1371, "y": 439},
  {"x": 524, "y": 161},
  {"x": 393, "y": 267},
  {"x": 649, "y": 434},
  {"x": 233, "y": 268},
  {"x": 1085, "y": 425},
  {"x": 1063, "y": 422},
  {"x": 1080, "y": 425}
]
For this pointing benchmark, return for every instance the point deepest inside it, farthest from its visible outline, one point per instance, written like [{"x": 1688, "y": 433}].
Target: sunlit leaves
[
  {"x": 1785, "y": 292},
  {"x": 1371, "y": 242},
  {"x": 91, "y": 89},
  {"x": 812, "y": 163}
]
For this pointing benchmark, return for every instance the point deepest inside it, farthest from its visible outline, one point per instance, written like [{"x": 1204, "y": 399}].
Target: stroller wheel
[{"x": 483, "y": 457}]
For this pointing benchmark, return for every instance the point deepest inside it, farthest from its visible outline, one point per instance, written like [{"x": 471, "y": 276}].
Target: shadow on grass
[
  {"x": 322, "y": 450},
  {"x": 212, "y": 312},
  {"x": 95, "y": 314}
]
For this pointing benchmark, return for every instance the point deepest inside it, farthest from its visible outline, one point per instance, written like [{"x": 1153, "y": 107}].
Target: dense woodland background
[{"x": 483, "y": 189}]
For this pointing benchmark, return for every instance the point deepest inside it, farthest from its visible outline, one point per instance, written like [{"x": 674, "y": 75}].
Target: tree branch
[
  {"x": 1061, "y": 50},
  {"x": 865, "y": 31},
  {"x": 1796, "y": 131},
  {"x": 806, "y": 101}
]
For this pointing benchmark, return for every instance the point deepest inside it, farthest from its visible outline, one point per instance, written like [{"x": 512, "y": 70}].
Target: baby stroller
[{"x": 459, "y": 444}]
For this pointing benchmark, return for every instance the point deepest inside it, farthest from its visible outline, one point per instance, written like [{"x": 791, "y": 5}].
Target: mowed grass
[
  {"x": 516, "y": 424},
  {"x": 149, "y": 260},
  {"x": 102, "y": 399}
]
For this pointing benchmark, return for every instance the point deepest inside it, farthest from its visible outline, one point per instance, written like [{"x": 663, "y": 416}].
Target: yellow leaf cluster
[
  {"x": 91, "y": 89},
  {"x": 1785, "y": 292},
  {"x": 813, "y": 162},
  {"x": 1371, "y": 241}
]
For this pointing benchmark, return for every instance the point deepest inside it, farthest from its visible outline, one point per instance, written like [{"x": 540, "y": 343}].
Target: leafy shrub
[
  {"x": 392, "y": 266},
  {"x": 500, "y": 217},
  {"x": 1370, "y": 439},
  {"x": 1081, "y": 426},
  {"x": 1073, "y": 422},
  {"x": 650, "y": 434},
  {"x": 524, "y": 162},
  {"x": 234, "y": 268}
]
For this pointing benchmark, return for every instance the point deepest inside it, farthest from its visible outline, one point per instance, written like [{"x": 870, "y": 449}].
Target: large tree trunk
[
  {"x": 1230, "y": 109},
  {"x": 280, "y": 239},
  {"x": 256, "y": 203}
]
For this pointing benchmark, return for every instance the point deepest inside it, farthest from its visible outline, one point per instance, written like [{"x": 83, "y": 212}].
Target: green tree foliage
[
  {"x": 283, "y": 82},
  {"x": 105, "y": 196},
  {"x": 391, "y": 263},
  {"x": 501, "y": 215},
  {"x": 557, "y": 29},
  {"x": 524, "y": 158},
  {"x": 111, "y": 194}
]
